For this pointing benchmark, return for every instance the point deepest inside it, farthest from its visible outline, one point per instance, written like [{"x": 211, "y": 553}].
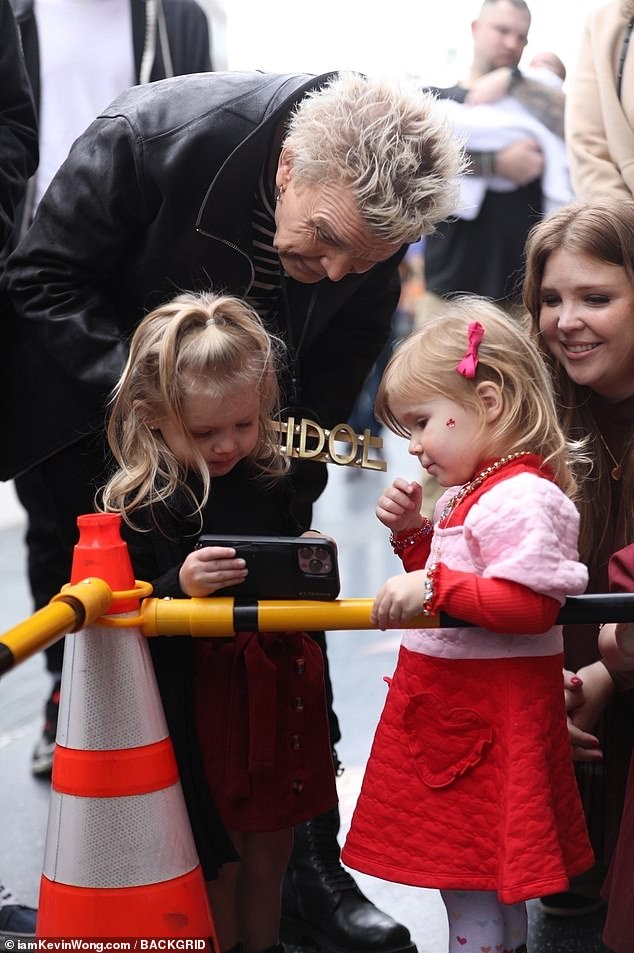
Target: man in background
[
  {"x": 80, "y": 55},
  {"x": 481, "y": 250}
]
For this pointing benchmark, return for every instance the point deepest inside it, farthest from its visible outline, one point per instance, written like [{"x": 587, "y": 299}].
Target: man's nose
[{"x": 337, "y": 265}]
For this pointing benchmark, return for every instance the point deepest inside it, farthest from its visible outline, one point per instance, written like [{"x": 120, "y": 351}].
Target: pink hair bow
[{"x": 469, "y": 364}]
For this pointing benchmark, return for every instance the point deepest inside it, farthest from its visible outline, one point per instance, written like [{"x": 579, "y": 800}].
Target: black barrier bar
[
  {"x": 593, "y": 609},
  {"x": 598, "y": 608}
]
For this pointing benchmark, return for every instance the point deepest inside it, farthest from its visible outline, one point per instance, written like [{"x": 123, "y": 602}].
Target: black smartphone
[{"x": 282, "y": 567}]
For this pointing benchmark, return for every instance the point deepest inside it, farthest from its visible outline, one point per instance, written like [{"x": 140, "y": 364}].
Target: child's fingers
[
  {"x": 409, "y": 489},
  {"x": 202, "y": 576},
  {"x": 219, "y": 563},
  {"x": 388, "y": 517},
  {"x": 415, "y": 494},
  {"x": 221, "y": 579},
  {"x": 403, "y": 494},
  {"x": 209, "y": 553},
  {"x": 374, "y": 612},
  {"x": 230, "y": 571},
  {"x": 385, "y": 610}
]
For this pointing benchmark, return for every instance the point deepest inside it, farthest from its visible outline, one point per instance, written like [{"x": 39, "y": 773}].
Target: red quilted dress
[
  {"x": 501, "y": 760},
  {"x": 470, "y": 783}
]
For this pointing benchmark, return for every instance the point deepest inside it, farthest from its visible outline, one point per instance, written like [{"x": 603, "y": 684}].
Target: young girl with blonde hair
[
  {"x": 470, "y": 786},
  {"x": 191, "y": 432}
]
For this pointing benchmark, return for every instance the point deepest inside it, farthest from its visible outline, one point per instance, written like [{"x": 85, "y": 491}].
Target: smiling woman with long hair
[{"x": 579, "y": 291}]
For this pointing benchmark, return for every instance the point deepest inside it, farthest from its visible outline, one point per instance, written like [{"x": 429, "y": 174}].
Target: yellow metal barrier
[
  {"x": 205, "y": 618},
  {"x": 85, "y": 603},
  {"x": 68, "y": 611}
]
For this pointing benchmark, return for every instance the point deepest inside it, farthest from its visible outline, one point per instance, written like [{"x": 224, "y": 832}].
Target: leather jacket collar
[{"x": 226, "y": 211}]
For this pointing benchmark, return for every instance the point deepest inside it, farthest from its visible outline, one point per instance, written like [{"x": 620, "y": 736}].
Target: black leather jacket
[
  {"x": 18, "y": 130},
  {"x": 156, "y": 198}
]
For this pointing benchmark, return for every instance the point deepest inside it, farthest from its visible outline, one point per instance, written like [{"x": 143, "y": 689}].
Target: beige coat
[{"x": 599, "y": 128}]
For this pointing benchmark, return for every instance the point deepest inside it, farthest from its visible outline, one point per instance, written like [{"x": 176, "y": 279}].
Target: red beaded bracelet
[{"x": 399, "y": 543}]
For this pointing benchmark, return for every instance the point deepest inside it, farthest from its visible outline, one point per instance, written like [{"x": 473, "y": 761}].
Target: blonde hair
[
  {"x": 603, "y": 230},
  {"x": 390, "y": 143},
  {"x": 196, "y": 342},
  {"x": 425, "y": 366}
]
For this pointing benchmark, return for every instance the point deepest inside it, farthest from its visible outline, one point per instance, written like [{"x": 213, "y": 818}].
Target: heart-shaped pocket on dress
[{"x": 445, "y": 743}]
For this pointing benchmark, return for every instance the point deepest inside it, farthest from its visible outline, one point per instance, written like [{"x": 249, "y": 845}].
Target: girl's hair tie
[{"x": 469, "y": 363}]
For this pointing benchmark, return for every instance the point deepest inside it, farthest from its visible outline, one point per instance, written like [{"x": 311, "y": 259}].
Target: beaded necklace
[{"x": 477, "y": 481}]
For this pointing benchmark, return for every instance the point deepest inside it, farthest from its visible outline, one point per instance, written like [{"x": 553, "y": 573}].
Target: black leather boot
[{"x": 322, "y": 903}]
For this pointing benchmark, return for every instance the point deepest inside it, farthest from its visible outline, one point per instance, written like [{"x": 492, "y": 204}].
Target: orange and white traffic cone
[{"x": 120, "y": 859}]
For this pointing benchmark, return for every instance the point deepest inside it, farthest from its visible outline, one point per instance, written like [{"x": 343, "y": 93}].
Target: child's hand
[
  {"x": 211, "y": 568},
  {"x": 399, "y": 506},
  {"x": 399, "y": 599}
]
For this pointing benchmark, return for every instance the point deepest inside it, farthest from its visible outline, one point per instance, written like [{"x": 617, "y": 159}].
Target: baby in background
[
  {"x": 550, "y": 67},
  {"x": 491, "y": 119}
]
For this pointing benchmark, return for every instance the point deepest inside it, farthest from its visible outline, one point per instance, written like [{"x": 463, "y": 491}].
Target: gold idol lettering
[
  {"x": 309, "y": 429},
  {"x": 307, "y": 440}
]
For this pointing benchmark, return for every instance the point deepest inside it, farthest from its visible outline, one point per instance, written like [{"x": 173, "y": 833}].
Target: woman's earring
[
  {"x": 450, "y": 423},
  {"x": 279, "y": 193}
]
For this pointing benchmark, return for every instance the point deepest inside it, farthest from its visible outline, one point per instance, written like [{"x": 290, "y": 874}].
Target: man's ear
[
  {"x": 284, "y": 168},
  {"x": 490, "y": 394}
]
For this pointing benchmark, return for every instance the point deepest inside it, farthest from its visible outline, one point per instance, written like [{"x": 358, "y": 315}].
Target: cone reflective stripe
[{"x": 120, "y": 859}]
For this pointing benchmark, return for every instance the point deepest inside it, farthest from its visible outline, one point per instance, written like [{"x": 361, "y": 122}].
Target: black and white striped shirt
[{"x": 265, "y": 290}]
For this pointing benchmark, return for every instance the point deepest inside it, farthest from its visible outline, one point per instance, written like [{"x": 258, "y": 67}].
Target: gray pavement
[{"x": 358, "y": 661}]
